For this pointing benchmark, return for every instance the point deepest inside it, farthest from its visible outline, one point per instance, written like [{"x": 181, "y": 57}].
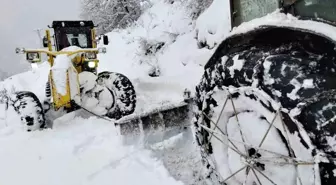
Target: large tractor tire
[
  {"x": 266, "y": 109},
  {"x": 123, "y": 91},
  {"x": 30, "y": 110}
]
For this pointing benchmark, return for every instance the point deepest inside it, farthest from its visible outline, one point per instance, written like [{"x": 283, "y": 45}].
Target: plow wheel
[
  {"x": 30, "y": 110},
  {"x": 123, "y": 92},
  {"x": 245, "y": 140}
]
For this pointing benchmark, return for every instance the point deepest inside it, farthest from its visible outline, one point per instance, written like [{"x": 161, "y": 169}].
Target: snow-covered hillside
[{"x": 164, "y": 43}]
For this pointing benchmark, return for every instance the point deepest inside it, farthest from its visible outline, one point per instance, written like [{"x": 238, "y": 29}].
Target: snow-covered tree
[{"x": 111, "y": 14}]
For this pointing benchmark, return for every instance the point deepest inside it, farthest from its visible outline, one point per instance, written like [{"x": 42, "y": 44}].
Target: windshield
[
  {"x": 325, "y": 9},
  {"x": 69, "y": 36},
  {"x": 79, "y": 40},
  {"x": 246, "y": 10}
]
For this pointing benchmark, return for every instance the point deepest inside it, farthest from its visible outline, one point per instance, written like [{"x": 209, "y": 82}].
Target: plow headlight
[
  {"x": 92, "y": 64},
  {"x": 90, "y": 55},
  {"x": 102, "y": 50},
  {"x": 33, "y": 57}
]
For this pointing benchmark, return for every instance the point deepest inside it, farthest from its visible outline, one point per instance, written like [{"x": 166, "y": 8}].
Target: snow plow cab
[
  {"x": 80, "y": 34},
  {"x": 70, "y": 34},
  {"x": 73, "y": 81},
  {"x": 266, "y": 104}
]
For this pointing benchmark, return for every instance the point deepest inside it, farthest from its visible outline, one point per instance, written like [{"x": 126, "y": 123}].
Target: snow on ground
[
  {"x": 90, "y": 150},
  {"x": 87, "y": 151}
]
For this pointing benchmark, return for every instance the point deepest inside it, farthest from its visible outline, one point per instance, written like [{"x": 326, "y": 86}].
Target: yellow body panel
[
  {"x": 93, "y": 36},
  {"x": 77, "y": 62},
  {"x": 50, "y": 59},
  {"x": 60, "y": 100},
  {"x": 55, "y": 53}
]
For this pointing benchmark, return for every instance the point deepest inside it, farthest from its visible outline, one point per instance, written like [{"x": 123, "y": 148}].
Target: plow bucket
[{"x": 157, "y": 124}]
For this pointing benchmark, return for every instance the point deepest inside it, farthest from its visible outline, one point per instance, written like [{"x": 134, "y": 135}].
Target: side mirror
[
  {"x": 45, "y": 42},
  {"x": 105, "y": 40},
  {"x": 19, "y": 50}
]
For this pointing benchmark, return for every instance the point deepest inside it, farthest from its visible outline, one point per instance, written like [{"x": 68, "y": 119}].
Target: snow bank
[
  {"x": 83, "y": 152},
  {"x": 163, "y": 22},
  {"x": 34, "y": 81},
  {"x": 214, "y": 24}
]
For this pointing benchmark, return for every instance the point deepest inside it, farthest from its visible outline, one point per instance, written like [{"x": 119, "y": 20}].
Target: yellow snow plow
[{"x": 73, "y": 83}]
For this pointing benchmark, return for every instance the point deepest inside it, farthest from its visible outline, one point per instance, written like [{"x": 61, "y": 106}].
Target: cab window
[
  {"x": 246, "y": 10},
  {"x": 79, "y": 40},
  {"x": 323, "y": 9},
  {"x": 66, "y": 37}
]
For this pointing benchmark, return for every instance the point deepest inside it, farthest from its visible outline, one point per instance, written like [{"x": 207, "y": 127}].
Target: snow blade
[{"x": 167, "y": 117}]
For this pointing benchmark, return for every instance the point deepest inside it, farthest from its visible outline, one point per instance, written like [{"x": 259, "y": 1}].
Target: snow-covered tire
[
  {"x": 124, "y": 93},
  {"x": 260, "y": 83},
  {"x": 255, "y": 112},
  {"x": 30, "y": 110}
]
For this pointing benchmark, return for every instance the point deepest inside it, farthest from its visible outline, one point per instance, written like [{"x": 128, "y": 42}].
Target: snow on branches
[{"x": 111, "y": 14}]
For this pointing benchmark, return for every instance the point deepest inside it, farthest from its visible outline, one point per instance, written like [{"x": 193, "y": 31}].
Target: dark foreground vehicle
[{"x": 267, "y": 100}]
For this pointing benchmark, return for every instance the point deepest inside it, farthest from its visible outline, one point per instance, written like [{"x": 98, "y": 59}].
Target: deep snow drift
[{"x": 83, "y": 150}]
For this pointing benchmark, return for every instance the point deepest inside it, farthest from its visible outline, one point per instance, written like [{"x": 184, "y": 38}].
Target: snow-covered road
[{"x": 91, "y": 151}]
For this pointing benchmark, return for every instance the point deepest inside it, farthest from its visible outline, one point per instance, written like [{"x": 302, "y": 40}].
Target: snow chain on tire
[{"x": 227, "y": 99}]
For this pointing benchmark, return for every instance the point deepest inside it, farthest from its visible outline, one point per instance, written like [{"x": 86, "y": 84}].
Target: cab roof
[{"x": 77, "y": 23}]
